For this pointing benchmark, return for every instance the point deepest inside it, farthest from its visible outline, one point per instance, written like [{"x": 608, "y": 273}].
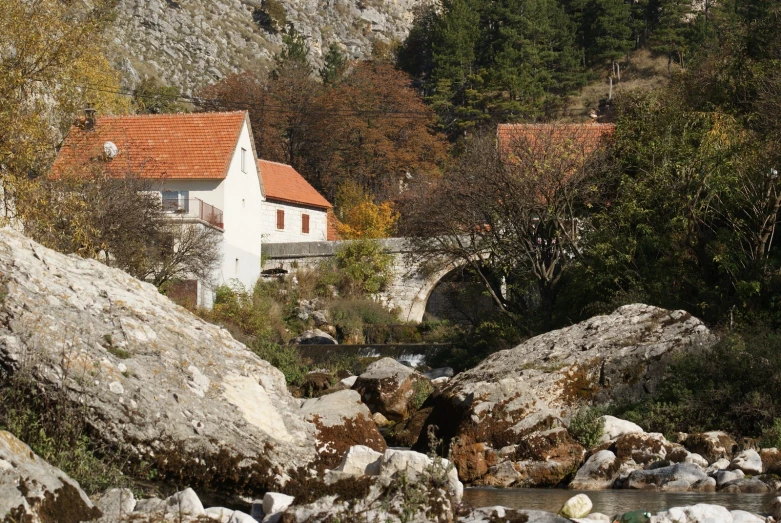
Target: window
[
  {"x": 237, "y": 267},
  {"x": 305, "y": 223},
  {"x": 280, "y": 219},
  {"x": 243, "y": 160},
  {"x": 176, "y": 201}
]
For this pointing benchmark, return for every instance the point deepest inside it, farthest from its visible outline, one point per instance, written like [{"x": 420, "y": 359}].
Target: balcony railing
[{"x": 196, "y": 208}]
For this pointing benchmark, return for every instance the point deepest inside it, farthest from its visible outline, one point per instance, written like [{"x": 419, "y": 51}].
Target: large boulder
[
  {"x": 32, "y": 490},
  {"x": 748, "y": 461},
  {"x": 539, "y": 384},
  {"x": 388, "y": 387},
  {"x": 599, "y": 472},
  {"x": 682, "y": 476},
  {"x": 314, "y": 337},
  {"x": 613, "y": 427},
  {"x": 712, "y": 446},
  {"x": 341, "y": 421},
  {"x": 151, "y": 378}
]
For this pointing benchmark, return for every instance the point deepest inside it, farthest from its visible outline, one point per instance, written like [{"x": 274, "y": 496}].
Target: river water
[{"x": 612, "y": 502}]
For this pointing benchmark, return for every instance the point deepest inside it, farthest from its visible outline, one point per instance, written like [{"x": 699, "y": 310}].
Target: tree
[
  {"x": 375, "y": 132},
  {"x": 361, "y": 217},
  {"x": 513, "y": 214},
  {"x": 119, "y": 221},
  {"x": 153, "y": 97},
  {"x": 335, "y": 65},
  {"x": 52, "y": 66}
]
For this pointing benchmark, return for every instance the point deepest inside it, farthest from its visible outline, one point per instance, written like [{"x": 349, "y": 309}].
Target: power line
[{"x": 271, "y": 107}]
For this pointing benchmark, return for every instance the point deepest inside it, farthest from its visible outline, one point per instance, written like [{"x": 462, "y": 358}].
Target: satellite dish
[{"x": 110, "y": 150}]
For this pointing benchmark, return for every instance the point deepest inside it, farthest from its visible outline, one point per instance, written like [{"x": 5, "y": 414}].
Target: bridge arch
[{"x": 410, "y": 290}]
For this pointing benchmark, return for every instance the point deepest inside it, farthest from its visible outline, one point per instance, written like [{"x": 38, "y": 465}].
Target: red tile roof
[
  {"x": 171, "y": 146},
  {"x": 583, "y": 137},
  {"x": 283, "y": 183}
]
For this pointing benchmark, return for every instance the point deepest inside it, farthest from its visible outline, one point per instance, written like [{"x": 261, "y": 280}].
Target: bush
[
  {"x": 732, "y": 387},
  {"x": 367, "y": 269},
  {"x": 57, "y": 431},
  {"x": 422, "y": 390},
  {"x": 587, "y": 427},
  {"x": 284, "y": 357}
]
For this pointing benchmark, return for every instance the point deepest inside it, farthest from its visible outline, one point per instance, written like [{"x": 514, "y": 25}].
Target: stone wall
[{"x": 411, "y": 286}]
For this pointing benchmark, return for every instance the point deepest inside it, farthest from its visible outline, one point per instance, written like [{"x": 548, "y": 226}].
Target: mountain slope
[{"x": 190, "y": 43}]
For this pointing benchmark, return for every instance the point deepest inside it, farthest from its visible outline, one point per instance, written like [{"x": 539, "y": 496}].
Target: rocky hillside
[{"x": 189, "y": 43}]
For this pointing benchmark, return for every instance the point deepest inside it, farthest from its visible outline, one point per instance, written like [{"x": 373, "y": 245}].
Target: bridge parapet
[{"x": 409, "y": 291}]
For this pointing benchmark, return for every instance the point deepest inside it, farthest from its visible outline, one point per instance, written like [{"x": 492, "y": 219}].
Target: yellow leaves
[
  {"x": 362, "y": 218},
  {"x": 51, "y": 65}
]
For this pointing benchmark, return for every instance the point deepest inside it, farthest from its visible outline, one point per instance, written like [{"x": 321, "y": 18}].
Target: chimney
[{"x": 89, "y": 117}]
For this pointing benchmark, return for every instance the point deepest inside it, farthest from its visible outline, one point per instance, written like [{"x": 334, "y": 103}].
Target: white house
[
  {"x": 293, "y": 210},
  {"x": 207, "y": 168}
]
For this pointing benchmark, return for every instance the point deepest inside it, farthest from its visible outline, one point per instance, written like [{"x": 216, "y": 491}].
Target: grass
[
  {"x": 56, "y": 429},
  {"x": 643, "y": 71}
]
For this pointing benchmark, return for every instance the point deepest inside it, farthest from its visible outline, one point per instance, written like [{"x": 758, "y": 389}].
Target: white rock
[
  {"x": 360, "y": 460},
  {"x": 748, "y": 461},
  {"x": 615, "y": 427},
  {"x": 695, "y": 458},
  {"x": 414, "y": 464},
  {"x": 274, "y": 504},
  {"x": 725, "y": 476},
  {"x": 576, "y": 507},
  {"x": 115, "y": 504},
  {"x": 349, "y": 381},
  {"x": 184, "y": 502},
  {"x": 700, "y": 513},
  {"x": 221, "y": 514},
  {"x": 720, "y": 464},
  {"x": 599, "y": 472},
  {"x": 741, "y": 516},
  {"x": 441, "y": 380},
  {"x": 241, "y": 517}
]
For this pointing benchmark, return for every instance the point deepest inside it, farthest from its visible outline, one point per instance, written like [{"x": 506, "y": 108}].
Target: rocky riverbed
[{"x": 169, "y": 390}]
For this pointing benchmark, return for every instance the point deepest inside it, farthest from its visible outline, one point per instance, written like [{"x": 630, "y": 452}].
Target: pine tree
[
  {"x": 536, "y": 59},
  {"x": 609, "y": 36},
  {"x": 334, "y": 66},
  {"x": 669, "y": 28}
]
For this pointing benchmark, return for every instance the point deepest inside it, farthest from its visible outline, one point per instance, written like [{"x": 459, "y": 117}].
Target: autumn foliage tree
[
  {"x": 370, "y": 128},
  {"x": 51, "y": 65}
]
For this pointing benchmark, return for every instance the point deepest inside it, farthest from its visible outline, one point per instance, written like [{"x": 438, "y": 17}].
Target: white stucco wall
[
  {"x": 239, "y": 198},
  {"x": 318, "y": 223},
  {"x": 242, "y": 216}
]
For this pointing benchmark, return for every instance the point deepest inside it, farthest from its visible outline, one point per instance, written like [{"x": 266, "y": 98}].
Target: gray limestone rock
[
  {"x": 152, "y": 378},
  {"x": 31, "y": 489},
  {"x": 599, "y": 472},
  {"x": 679, "y": 473},
  {"x": 115, "y": 504},
  {"x": 748, "y": 461},
  {"x": 314, "y": 337},
  {"x": 542, "y": 382},
  {"x": 387, "y": 386}
]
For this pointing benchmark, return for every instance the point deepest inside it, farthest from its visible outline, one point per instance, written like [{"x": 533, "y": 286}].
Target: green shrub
[
  {"x": 366, "y": 268},
  {"x": 284, "y": 357},
  {"x": 771, "y": 436},
  {"x": 57, "y": 431},
  {"x": 732, "y": 387},
  {"x": 587, "y": 427},
  {"x": 422, "y": 390}
]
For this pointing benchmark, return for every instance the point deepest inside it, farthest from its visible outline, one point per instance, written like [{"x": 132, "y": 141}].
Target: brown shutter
[
  {"x": 305, "y": 223},
  {"x": 280, "y": 219}
]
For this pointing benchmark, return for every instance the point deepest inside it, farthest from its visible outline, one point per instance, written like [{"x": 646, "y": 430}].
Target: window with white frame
[
  {"x": 176, "y": 201},
  {"x": 243, "y": 160}
]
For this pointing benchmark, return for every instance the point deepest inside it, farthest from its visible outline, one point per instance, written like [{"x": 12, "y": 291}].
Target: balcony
[{"x": 194, "y": 208}]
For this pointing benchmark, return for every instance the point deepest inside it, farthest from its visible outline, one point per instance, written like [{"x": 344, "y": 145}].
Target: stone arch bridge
[{"x": 412, "y": 283}]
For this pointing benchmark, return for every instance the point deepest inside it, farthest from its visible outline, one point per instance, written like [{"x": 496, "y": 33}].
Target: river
[{"x": 613, "y": 502}]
